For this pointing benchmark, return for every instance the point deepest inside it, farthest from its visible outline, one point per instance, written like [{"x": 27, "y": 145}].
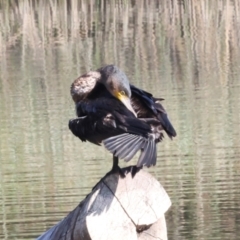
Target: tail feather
[
  {"x": 126, "y": 145},
  {"x": 122, "y": 145},
  {"x": 148, "y": 155},
  {"x": 151, "y": 160},
  {"x": 116, "y": 142},
  {"x": 133, "y": 151},
  {"x": 143, "y": 154},
  {"x": 126, "y": 149},
  {"x": 123, "y": 148}
]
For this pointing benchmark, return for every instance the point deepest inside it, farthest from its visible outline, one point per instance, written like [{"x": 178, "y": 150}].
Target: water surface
[{"x": 187, "y": 53}]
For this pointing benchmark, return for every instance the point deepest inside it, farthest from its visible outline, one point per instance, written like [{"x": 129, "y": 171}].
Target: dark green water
[{"x": 187, "y": 53}]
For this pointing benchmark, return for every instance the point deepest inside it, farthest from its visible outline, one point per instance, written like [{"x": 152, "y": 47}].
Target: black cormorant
[{"x": 125, "y": 118}]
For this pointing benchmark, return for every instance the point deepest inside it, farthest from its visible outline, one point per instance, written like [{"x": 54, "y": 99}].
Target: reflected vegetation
[{"x": 184, "y": 51}]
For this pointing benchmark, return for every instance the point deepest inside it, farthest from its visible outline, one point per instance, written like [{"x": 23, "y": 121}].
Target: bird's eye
[{"x": 123, "y": 93}]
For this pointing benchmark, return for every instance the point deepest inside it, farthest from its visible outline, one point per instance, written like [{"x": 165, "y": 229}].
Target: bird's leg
[
  {"x": 116, "y": 168},
  {"x": 115, "y": 162}
]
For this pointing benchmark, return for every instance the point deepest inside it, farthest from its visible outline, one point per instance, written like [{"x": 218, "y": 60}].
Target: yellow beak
[{"x": 126, "y": 101}]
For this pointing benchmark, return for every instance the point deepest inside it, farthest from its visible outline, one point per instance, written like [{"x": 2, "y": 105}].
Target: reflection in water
[{"x": 186, "y": 52}]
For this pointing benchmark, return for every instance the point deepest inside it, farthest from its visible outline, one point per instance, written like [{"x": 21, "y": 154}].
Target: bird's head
[{"x": 116, "y": 82}]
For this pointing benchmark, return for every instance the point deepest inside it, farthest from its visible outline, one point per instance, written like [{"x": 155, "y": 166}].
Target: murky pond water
[{"x": 184, "y": 51}]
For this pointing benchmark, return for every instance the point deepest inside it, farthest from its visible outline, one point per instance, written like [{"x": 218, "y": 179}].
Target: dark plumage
[{"x": 106, "y": 114}]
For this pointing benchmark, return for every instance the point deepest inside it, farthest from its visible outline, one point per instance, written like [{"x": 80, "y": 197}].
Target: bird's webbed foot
[{"x": 135, "y": 170}]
